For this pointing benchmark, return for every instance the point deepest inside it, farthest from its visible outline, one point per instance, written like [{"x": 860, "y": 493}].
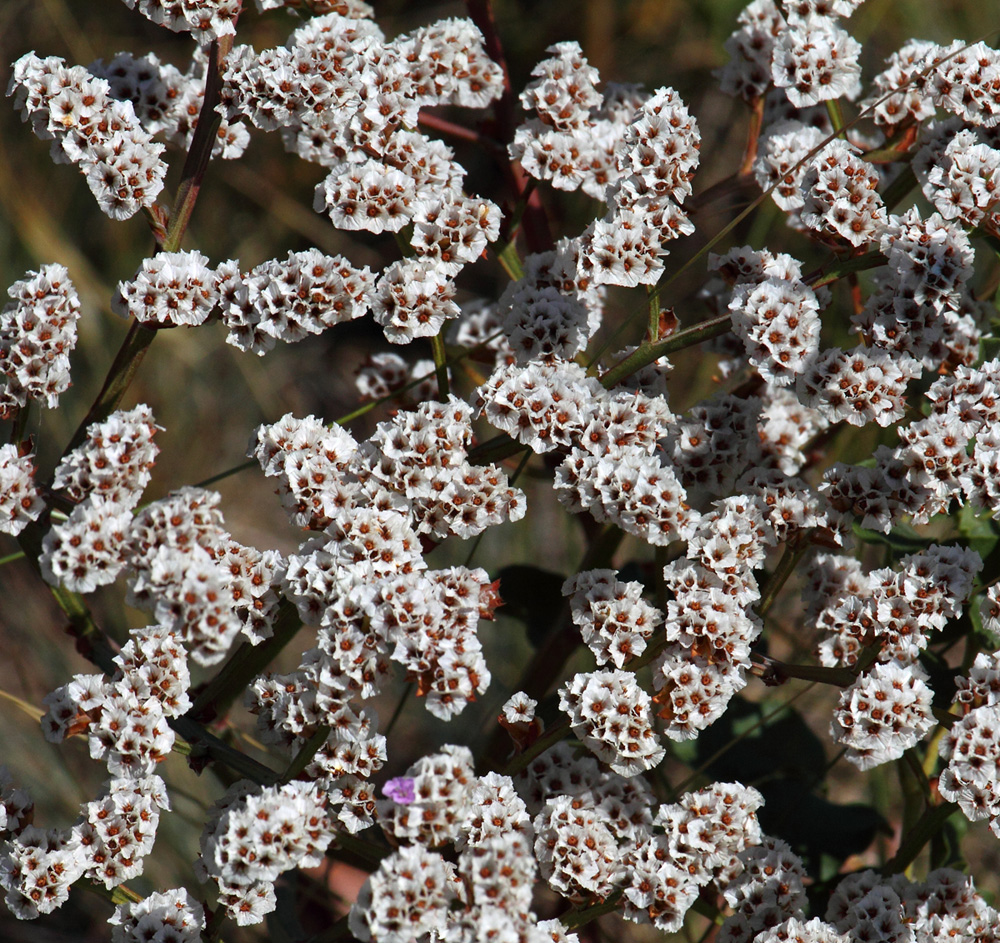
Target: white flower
[
  {"x": 206, "y": 20},
  {"x": 20, "y": 501},
  {"x": 413, "y": 298},
  {"x": 610, "y": 713},
  {"x": 37, "y": 334},
  {"x": 883, "y": 714},
  {"x": 265, "y": 832},
  {"x": 37, "y": 868},
  {"x": 171, "y": 288},
  {"x": 369, "y": 196},
  {"x": 816, "y": 60},
  {"x": 172, "y": 915}
]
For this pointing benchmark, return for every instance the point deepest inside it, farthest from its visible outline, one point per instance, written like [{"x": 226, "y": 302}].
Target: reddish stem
[
  {"x": 444, "y": 126},
  {"x": 534, "y": 223},
  {"x": 139, "y": 337},
  {"x": 753, "y": 137},
  {"x": 200, "y": 152}
]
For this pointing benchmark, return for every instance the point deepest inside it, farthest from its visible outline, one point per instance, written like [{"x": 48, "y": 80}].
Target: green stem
[
  {"x": 511, "y": 261},
  {"x": 440, "y": 363},
  {"x": 123, "y": 370},
  {"x": 91, "y": 641},
  {"x": 398, "y": 712},
  {"x": 574, "y": 919},
  {"x": 305, "y": 755},
  {"x": 653, "y": 325},
  {"x": 847, "y": 266},
  {"x": 20, "y": 425},
  {"x": 646, "y": 354},
  {"x": 495, "y": 450},
  {"x": 206, "y": 746},
  {"x": 248, "y": 661},
  {"x": 774, "y": 672},
  {"x": 200, "y": 152},
  {"x": 926, "y": 827},
  {"x": 836, "y": 114},
  {"x": 138, "y": 338},
  {"x": 794, "y": 551}
]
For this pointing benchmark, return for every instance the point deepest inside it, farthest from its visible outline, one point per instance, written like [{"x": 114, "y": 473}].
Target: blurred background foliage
[{"x": 209, "y": 396}]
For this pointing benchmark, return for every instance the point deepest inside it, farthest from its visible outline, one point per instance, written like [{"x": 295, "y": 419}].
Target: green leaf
[
  {"x": 979, "y": 531},
  {"x": 782, "y": 746},
  {"x": 532, "y": 595},
  {"x": 989, "y": 349},
  {"x": 901, "y": 539},
  {"x": 815, "y": 827},
  {"x": 283, "y": 922},
  {"x": 946, "y": 845},
  {"x": 786, "y": 761}
]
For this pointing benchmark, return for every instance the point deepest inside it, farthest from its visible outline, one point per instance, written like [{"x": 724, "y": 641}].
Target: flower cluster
[
  {"x": 105, "y": 475},
  {"x": 20, "y": 501},
  {"x": 168, "y": 101},
  {"x": 441, "y": 787},
  {"x": 614, "y": 620},
  {"x": 125, "y": 719},
  {"x": 859, "y": 386},
  {"x": 162, "y": 917},
  {"x": 571, "y": 140},
  {"x": 119, "y": 829},
  {"x": 37, "y": 869},
  {"x": 609, "y": 712},
  {"x": 893, "y": 609},
  {"x": 709, "y": 629},
  {"x": 922, "y": 305},
  {"x": 187, "y": 571},
  {"x": 769, "y": 891},
  {"x": 413, "y": 298},
  {"x": 290, "y": 299},
  {"x": 422, "y": 456},
  {"x": 37, "y": 335},
  {"x": 815, "y": 60},
  {"x": 883, "y": 714},
  {"x": 114, "y": 463},
  {"x": 255, "y": 834},
  {"x": 125, "y": 716},
  {"x": 970, "y": 778},
  {"x": 171, "y": 288},
  {"x": 841, "y": 199},
  {"x": 733, "y": 490},
  {"x": 89, "y": 127},
  {"x": 777, "y": 319},
  {"x": 204, "y": 19}
]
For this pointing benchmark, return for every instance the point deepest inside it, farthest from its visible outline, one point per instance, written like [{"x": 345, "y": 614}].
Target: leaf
[
  {"x": 283, "y": 922},
  {"x": 946, "y": 845},
  {"x": 978, "y": 530},
  {"x": 901, "y": 539},
  {"x": 786, "y": 761},
  {"x": 940, "y": 677},
  {"x": 989, "y": 349},
  {"x": 532, "y": 595},
  {"x": 815, "y": 827},
  {"x": 782, "y": 746}
]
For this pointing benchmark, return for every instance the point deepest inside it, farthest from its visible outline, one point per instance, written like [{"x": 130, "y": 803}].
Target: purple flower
[{"x": 400, "y": 790}]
